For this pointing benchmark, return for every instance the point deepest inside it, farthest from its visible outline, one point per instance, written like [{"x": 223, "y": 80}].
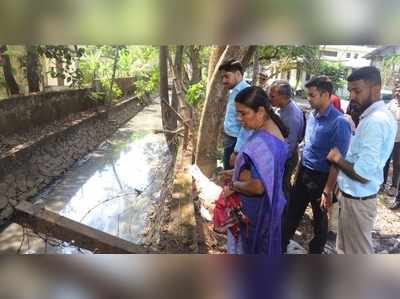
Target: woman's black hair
[{"x": 255, "y": 97}]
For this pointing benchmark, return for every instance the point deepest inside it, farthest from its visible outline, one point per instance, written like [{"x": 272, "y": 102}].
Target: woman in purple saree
[{"x": 258, "y": 174}]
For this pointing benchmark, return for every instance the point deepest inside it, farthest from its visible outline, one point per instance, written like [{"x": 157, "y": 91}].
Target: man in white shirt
[{"x": 361, "y": 170}]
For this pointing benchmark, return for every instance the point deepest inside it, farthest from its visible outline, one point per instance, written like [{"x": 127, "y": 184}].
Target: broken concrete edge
[
  {"x": 53, "y": 225},
  {"x": 21, "y": 163}
]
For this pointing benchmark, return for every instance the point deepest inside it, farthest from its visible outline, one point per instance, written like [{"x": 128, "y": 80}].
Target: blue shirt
[
  {"x": 232, "y": 126},
  {"x": 323, "y": 133},
  {"x": 244, "y": 135},
  {"x": 369, "y": 150},
  {"x": 292, "y": 117}
]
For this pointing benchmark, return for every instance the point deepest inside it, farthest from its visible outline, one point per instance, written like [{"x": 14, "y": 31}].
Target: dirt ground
[{"x": 386, "y": 233}]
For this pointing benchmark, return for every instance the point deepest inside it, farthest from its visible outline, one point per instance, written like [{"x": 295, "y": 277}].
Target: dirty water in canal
[{"x": 114, "y": 188}]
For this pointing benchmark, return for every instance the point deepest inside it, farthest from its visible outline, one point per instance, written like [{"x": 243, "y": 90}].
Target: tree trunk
[
  {"x": 32, "y": 69},
  {"x": 178, "y": 62},
  {"x": 216, "y": 53},
  {"x": 60, "y": 72},
  {"x": 246, "y": 55},
  {"x": 256, "y": 68},
  {"x": 7, "y": 70},
  {"x": 214, "y": 109},
  {"x": 110, "y": 93},
  {"x": 186, "y": 79},
  {"x": 174, "y": 99},
  {"x": 194, "y": 56},
  {"x": 299, "y": 70},
  {"x": 184, "y": 109},
  {"x": 169, "y": 119}
]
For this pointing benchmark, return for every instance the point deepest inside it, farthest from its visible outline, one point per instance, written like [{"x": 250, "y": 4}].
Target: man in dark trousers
[{"x": 326, "y": 129}]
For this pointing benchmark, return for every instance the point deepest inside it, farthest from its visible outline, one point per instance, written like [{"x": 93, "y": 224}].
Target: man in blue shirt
[
  {"x": 232, "y": 78},
  {"x": 326, "y": 129},
  {"x": 361, "y": 172}
]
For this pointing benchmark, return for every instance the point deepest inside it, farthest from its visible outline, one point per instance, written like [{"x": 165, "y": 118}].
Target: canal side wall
[
  {"x": 24, "y": 172},
  {"x": 18, "y": 113},
  {"x": 173, "y": 228}
]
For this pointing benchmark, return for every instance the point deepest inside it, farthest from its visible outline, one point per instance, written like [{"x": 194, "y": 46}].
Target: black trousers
[
  {"x": 395, "y": 156},
  {"x": 290, "y": 168},
  {"x": 229, "y": 146},
  {"x": 307, "y": 189}
]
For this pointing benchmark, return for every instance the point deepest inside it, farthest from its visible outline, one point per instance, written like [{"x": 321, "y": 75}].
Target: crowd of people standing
[{"x": 345, "y": 157}]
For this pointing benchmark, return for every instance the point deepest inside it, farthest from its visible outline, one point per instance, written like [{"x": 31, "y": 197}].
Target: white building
[
  {"x": 351, "y": 56},
  {"x": 378, "y": 57}
]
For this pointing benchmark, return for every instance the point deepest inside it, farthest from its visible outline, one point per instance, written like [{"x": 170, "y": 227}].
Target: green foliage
[
  {"x": 97, "y": 96},
  {"x": 116, "y": 92},
  {"x": 196, "y": 93},
  {"x": 390, "y": 66},
  {"x": 140, "y": 62},
  {"x": 302, "y": 58},
  {"x": 298, "y": 53},
  {"x": 147, "y": 83},
  {"x": 89, "y": 64},
  {"x": 67, "y": 56},
  {"x": 392, "y": 60},
  {"x": 335, "y": 71},
  {"x": 3, "y": 83},
  {"x": 125, "y": 62},
  {"x": 101, "y": 95}
]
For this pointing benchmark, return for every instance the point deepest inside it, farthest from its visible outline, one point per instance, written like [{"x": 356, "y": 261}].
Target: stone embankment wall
[{"x": 24, "y": 172}]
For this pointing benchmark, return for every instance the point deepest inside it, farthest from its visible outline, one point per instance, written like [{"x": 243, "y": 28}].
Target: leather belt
[{"x": 358, "y": 198}]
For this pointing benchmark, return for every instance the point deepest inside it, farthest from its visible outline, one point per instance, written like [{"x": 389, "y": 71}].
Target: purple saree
[{"x": 267, "y": 156}]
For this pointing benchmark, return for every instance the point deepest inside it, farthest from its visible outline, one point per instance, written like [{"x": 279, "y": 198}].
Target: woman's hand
[
  {"x": 232, "y": 159},
  {"x": 228, "y": 191},
  {"x": 225, "y": 175}
]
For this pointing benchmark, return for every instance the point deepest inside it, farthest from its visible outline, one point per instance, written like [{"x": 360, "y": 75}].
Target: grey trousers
[{"x": 356, "y": 221}]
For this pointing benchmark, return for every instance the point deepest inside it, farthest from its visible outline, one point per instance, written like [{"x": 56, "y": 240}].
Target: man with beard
[
  {"x": 361, "y": 172},
  {"x": 326, "y": 129}
]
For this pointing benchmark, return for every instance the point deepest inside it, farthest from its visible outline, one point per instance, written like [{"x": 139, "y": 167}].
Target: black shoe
[
  {"x": 395, "y": 205},
  {"x": 331, "y": 236}
]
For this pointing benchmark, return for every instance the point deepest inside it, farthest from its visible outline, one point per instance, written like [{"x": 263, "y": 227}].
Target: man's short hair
[
  {"x": 322, "y": 83},
  {"x": 284, "y": 88},
  {"x": 231, "y": 66},
  {"x": 368, "y": 73}
]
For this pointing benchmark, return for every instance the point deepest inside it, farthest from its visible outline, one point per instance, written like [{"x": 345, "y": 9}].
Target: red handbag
[{"x": 228, "y": 212}]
